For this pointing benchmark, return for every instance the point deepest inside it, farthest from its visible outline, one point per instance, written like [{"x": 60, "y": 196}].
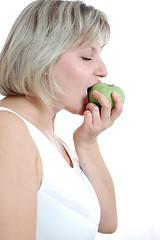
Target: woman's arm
[
  {"x": 91, "y": 161},
  {"x": 18, "y": 181}
]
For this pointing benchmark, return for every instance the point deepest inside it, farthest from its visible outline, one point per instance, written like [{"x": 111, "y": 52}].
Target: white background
[{"x": 131, "y": 146}]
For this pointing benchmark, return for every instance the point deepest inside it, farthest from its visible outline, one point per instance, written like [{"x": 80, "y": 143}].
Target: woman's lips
[
  {"x": 95, "y": 83},
  {"x": 92, "y": 86},
  {"x": 88, "y": 89}
]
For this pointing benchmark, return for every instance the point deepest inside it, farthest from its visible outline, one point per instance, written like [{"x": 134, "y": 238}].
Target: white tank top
[{"x": 67, "y": 207}]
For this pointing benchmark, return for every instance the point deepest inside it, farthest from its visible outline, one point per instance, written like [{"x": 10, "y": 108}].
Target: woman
[{"x": 50, "y": 59}]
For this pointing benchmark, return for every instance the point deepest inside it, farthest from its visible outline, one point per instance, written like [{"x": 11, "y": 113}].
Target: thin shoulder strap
[{"x": 9, "y": 110}]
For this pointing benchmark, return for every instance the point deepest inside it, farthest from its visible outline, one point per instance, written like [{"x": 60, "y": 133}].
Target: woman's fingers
[
  {"x": 94, "y": 109},
  {"x": 105, "y": 106},
  {"x": 100, "y": 119},
  {"x": 87, "y": 118},
  {"x": 106, "y": 113},
  {"x": 117, "y": 110}
]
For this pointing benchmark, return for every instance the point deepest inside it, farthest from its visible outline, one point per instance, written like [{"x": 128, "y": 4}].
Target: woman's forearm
[{"x": 94, "y": 167}]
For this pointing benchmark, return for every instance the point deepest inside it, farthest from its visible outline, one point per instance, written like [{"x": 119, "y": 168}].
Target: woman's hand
[{"x": 95, "y": 120}]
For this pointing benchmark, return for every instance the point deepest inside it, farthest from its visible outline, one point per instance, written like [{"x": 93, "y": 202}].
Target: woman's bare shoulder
[
  {"x": 8, "y": 118},
  {"x": 12, "y": 126},
  {"x": 15, "y": 137},
  {"x": 14, "y": 133}
]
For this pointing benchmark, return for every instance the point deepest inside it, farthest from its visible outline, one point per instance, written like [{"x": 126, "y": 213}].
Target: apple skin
[{"x": 107, "y": 90}]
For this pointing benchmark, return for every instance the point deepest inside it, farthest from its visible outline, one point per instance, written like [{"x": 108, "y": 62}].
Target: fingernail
[
  {"x": 115, "y": 94},
  {"x": 95, "y": 92}
]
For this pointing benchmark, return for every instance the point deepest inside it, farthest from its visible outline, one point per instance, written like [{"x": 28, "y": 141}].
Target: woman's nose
[{"x": 101, "y": 69}]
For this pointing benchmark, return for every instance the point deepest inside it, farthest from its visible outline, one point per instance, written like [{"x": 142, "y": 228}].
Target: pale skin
[{"x": 20, "y": 164}]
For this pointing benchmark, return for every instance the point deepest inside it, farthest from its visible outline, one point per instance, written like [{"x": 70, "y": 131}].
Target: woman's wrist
[{"x": 85, "y": 146}]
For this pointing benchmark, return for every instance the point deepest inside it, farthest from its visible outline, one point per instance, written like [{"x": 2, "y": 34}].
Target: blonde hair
[{"x": 43, "y": 31}]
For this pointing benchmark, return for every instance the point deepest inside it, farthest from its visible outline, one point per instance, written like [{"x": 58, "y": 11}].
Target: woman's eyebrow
[
  {"x": 94, "y": 49},
  {"x": 89, "y": 47}
]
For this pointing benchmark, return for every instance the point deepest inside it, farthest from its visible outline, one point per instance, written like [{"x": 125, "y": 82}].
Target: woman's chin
[
  {"x": 80, "y": 112},
  {"x": 77, "y": 111}
]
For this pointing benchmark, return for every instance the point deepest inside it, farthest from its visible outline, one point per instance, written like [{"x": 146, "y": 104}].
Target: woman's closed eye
[{"x": 87, "y": 59}]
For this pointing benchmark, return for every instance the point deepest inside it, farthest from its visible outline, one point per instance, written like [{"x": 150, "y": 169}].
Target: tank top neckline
[{"x": 64, "y": 145}]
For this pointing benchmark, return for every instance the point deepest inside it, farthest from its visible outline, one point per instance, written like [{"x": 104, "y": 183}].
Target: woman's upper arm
[{"x": 18, "y": 182}]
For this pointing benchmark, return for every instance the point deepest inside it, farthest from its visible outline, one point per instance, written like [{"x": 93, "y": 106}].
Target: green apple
[{"x": 107, "y": 90}]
